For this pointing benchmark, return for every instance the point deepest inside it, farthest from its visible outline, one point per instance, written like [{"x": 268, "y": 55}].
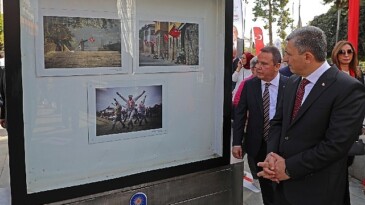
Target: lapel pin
[{"x": 323, "y": 84}]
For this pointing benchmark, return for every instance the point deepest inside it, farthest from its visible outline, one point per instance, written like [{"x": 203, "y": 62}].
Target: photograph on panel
[
  {"x": 128, "y": 109},
  {"x": 77, "y": 42},
  {"x": 164, "y": 43}
]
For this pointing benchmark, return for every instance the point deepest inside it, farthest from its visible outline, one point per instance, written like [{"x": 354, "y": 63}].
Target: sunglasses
[{"x": 343, "y": 52}]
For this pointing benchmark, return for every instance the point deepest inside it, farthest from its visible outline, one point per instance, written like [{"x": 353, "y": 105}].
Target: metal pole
[{"x": 338, "y": 23}]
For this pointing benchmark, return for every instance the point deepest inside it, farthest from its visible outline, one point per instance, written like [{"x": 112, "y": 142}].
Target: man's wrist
[{"x": 287, "y": 172}]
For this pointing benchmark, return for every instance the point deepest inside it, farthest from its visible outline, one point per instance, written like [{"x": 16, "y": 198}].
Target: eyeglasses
[{"x": 343, "y": 52}]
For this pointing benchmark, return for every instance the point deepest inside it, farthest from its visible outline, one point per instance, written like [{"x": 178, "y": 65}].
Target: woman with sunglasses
[{"x": 345, "y": 58}]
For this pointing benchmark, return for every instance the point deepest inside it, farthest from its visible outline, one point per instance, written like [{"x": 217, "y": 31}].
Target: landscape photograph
[{"x": 77, "y": 42}]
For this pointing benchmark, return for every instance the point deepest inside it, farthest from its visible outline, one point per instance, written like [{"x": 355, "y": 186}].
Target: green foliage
[
  {"x": 337, "y": 3},
  {"x": 341, "y": 3},
  {"x": 57, "y": 29},
  {"x": 273, "y": 11},
  {"x": 328, "y": 23},
  {"x": 284, "y": 20}
]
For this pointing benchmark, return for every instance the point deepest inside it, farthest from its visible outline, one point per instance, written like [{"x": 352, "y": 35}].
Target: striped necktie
[{"x": 266, "y": 106}]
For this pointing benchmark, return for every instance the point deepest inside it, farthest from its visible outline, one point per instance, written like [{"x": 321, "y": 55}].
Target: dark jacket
[
  {"x": 251, "y": 102},
  {"x": 315, "y": 144}
]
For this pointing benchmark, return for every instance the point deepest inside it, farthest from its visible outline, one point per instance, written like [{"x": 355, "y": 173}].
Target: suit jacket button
[{"x": 286, "y": 138}]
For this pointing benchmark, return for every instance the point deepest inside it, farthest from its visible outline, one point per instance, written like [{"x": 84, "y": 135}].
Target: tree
[
  {"x": 337, "y": 3},
  {"x": 284, "y": 20},
  {"x": 273, "y": 11},
  {"x": 327, "y": 22},
  {"x": 341, "y": 3},
  {"x": 57, "y": 29}
]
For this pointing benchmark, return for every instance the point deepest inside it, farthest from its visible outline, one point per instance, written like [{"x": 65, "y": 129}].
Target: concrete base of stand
[{"x": 218, "y": 186}]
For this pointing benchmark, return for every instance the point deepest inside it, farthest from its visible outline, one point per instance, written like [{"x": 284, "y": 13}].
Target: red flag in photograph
[
  {"x": 92, "y": 39},
  {"x": 166, "y": 38},
  {"x": 174, "y": 32},
  {"x": 259, "y": 39},
  {"x": 353, "y": 22}
]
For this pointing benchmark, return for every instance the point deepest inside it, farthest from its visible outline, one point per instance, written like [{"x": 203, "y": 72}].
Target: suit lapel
[
  {"x": 281, "y": 88},
  {"x": 291, "y": 92},
  {"x": 321, "y": 85},
  {"x": 258, "y": 95}
]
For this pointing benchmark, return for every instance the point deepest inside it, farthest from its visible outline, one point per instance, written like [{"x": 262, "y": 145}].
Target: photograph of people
[
  {"x": 128, "y": 109},
  {"x": 166, "y": 43}
]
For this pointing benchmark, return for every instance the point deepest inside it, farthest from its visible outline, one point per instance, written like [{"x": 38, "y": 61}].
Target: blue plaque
[{"x": 139, "y": 198}]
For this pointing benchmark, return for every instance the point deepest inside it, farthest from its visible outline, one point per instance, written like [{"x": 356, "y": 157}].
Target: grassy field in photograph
[{"x": 82, "y": 59}]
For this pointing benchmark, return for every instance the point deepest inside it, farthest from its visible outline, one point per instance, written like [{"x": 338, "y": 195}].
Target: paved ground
[{"x": 249, "y": 197}]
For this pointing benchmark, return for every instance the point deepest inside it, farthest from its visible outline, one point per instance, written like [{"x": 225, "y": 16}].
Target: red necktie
[{"x": 299, "y": 97}]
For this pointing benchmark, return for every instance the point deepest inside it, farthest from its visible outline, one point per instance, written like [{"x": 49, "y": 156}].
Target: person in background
[
  {"x": 237, "y": 43},
  {"x": 241, "y": 69},
  {"x": 345, "y": 58},
  {"x": 257, "y": 106},
  {"x": 237, "y": 93},
  {"x": 3, "y": 122},
  {"x": 313, "y": 129},
  {"x": 2, "y": 59},
  {"x": 236, "y": 99},
  {"x": 284, "y": 69}
]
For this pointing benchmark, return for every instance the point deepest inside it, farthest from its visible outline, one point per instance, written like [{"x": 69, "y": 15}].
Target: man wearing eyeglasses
[{"x": 257, "y": 105}]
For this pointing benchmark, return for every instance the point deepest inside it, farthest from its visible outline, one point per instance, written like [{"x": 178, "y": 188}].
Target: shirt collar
[
  {"x": 313, "y": 77},
  {"x": 274, "y": 82}
]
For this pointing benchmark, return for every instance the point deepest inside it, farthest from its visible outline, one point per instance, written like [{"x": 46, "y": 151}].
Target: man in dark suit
[
  {"x": 285, "y": 71},
  {"x": 252, "y": 102},
  {"x": 314, "y": 127}
]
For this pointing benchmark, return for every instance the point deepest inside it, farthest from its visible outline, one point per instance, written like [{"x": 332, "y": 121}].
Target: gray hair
[
  {"x": 310, "y": 39},
  {"x": 253, "y": 62}
]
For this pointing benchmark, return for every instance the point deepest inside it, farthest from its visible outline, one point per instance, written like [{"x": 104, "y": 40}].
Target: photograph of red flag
[
  {"x": 259, "y": 39},
  {"x": 169, "y": 44},
  {"x": 91, "y": 39},
  {"x": 68, "y": 44},
  {"x": 174, "y": 32}
]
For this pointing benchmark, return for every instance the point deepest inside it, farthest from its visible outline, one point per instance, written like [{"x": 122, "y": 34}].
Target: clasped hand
[{"x": 273, "y": 168}]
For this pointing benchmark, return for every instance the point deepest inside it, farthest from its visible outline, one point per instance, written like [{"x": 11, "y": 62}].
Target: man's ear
[
  {"x": 309, "y": 57},
  {"x": 277, "y": 67}
]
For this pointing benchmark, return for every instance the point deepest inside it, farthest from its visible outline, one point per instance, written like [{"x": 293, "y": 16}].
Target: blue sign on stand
[{"x": 138, "y": 198}]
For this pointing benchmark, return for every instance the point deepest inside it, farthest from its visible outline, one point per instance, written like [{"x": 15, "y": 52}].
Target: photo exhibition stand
[{"x": 120, "y": 101}]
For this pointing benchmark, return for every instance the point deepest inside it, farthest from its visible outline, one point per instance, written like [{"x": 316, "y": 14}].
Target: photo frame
[
  {"x": 168, "y": 45},
  {"x": 51, "y": 162},
  {"x": 120, "y": 111},
  {"x": 80, "y": 43}
]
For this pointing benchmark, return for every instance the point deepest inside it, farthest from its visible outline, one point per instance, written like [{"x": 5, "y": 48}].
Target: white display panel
[{"x": 62, "y": 147}]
